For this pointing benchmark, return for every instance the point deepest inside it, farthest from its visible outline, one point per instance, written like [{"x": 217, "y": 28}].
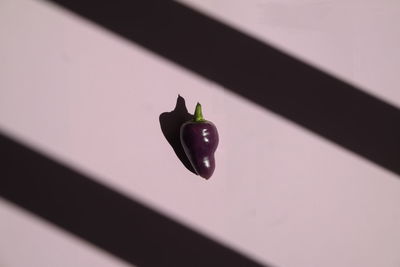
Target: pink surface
[{"x": 283, "y": 196}]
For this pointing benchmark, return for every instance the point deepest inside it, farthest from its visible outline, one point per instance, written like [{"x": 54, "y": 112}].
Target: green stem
[{"x": 198, "y": 115}]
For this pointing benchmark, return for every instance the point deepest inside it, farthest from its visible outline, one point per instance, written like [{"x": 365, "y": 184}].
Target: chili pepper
[{"x": 199, "y": 139}]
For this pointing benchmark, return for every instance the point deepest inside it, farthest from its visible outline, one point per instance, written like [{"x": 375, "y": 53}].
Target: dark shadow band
[
  {"x": 102, "y": 216},
  {"x": 322, "y": 104}
]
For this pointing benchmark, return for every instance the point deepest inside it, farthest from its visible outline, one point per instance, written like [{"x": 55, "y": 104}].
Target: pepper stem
[{"x": 198, "y": 114}]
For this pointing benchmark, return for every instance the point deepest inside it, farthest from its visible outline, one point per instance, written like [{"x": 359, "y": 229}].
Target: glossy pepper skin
[{"x": 199, "y": 139}]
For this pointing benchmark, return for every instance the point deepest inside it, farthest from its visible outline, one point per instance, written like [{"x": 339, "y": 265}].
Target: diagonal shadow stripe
[
  {"x": 106, "y": 218},
  {"x": 311, "y": 98}
]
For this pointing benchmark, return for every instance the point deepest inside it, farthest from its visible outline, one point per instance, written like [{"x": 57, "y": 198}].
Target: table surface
[{"x": 280, "y": 194}]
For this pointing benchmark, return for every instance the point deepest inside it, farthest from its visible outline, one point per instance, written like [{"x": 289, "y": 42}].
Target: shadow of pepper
[{"x": 170, "y": 123}]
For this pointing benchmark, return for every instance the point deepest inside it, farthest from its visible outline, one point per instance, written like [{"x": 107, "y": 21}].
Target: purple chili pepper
[{"x": 199, "y": 139}]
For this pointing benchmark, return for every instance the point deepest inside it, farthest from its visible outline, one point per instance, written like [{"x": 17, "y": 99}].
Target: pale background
[{"x": 280, "y": 194}]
